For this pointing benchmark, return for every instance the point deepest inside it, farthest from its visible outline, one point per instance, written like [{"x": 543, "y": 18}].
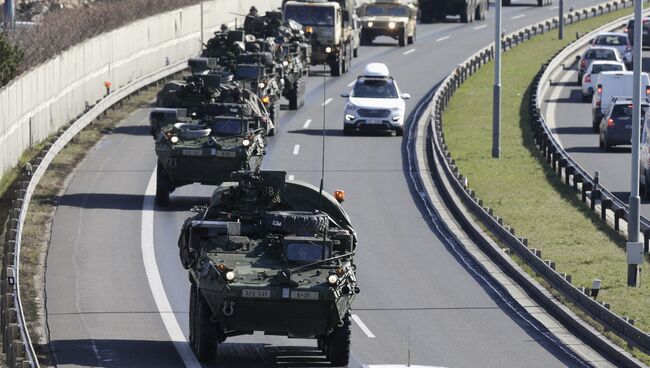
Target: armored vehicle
[
  {"x": 329, "y": 26},
  {"x": 469, "y": 10},
  {"x": 388, "y": 18},
  {"x": 263, "y": 257},
  {"x": 207, "y": 150},
  {"x": 196, "y": 95}
]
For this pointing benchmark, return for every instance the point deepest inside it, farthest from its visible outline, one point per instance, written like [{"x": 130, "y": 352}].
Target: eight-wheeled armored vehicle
[{"x": 274, "y": 256}]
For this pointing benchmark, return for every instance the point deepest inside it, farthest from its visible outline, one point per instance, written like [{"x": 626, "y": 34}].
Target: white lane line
[
  {"x": 518, "y": 16},
  {"x": 442, "y": 38},
  {"x": 352, "y": 83},
  {"x": 326, "y": 101},
  {"x": 398, "y": 366},
  {"x": 291, "y": 177},
  {"x": 554, "y": 8},
  {"x": 363, "y": 326},
  {"x": 480, "y": 27},
  {"x": 306, "y": 124},
  {"x": 409, "y": 51},
  {"x": 296, "y": 149},
  {"x": 155, "y": 282}
]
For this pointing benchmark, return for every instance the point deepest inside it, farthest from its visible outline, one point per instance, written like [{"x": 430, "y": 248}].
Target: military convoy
[
  {"x": 388, "y": 18},
  {"x": 468, "y": 10},
  {"x": 274, "y": 256}
]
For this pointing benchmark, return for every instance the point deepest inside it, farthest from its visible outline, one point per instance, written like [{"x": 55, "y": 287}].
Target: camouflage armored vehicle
[
  {"x": 194, "y": 96},
  {"x": 207, "y": 150},
  {"x": 293, "y": 51},
  {"x": 388, "y": 18},
  {"x": 261, "y": 257}
]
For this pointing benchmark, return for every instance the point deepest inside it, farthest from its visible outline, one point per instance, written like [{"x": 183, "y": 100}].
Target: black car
[
  {"x": 616, "y": 125},
  {"x": 629, "y": 29}
]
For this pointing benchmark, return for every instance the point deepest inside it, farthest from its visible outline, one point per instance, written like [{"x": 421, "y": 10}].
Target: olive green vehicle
[
  {"x": 262, "y": 257},
  {"x": 388, "y": 18},
  {"x": 207, "y": 150}
]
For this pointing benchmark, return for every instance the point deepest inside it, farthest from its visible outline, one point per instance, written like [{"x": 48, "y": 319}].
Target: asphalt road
[
  {"x": 117, "y": 295},
  {"x": 571, "y": 123}
]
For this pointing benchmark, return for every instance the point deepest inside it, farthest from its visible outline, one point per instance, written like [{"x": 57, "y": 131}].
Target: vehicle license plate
[
  {"x": 226, "y": 154},
  {"x": 304, "y": 295},
  {"x": 373, "y": 121},
  {"x": 192, "y": 152},
  {"x": 253, "y": 293}
]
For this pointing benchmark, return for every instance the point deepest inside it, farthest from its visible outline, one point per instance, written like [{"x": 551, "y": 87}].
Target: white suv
[{"x": 375, "y": 102}]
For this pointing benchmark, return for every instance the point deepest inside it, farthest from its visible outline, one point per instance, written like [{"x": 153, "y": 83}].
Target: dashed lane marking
[
  {"x": 296, "y": 149},
  {"x": 442, "y": 38},
  {"x": 306, "y": 124},
  {"x": 480, "y": 27},
  {"x": 409, "y": 51},
  {"x": 291, "y": 177},
  {"x": 363, "y": 326},
  {"x": 352, "y": 83},
  {"x": 518, "y": 16},
  {"x": 326, "y": 101}
]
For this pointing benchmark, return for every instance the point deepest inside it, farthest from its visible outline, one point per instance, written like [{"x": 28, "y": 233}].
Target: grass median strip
[{"x": 524, "y": 191}]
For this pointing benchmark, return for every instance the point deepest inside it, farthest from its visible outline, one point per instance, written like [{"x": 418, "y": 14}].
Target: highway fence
[
  {"x": 78, "y": 86},
  {"x": 453, "y": 184}
]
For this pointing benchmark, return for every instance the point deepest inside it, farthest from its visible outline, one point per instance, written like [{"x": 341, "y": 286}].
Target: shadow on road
[
  {"x": 126, "y": 202},
  {"x": 573, "y": 130},
  {"x": 137, "y": 130}
]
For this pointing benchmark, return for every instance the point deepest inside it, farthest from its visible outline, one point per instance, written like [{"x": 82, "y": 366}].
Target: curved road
[{"x": 118, "y": 297}]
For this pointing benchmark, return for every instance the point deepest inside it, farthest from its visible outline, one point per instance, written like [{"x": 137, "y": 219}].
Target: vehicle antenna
[{"x": 322, "y": 172}]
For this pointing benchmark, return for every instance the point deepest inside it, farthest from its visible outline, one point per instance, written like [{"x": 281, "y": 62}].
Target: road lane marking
[
  {"x": 518, "y": 16},
  {"x": 363, "y": 326},
  {"x": 480, "y": 27},
  {"x": 409, "y": 51},
  {"x": 296, "y": 149},
  {"x": 155, "y": 282},
  {"x": 306, "y": 124},
  {"x": 291, "y": 177},
  {"x": 399, "y": 366},
  {"x": 442, "y": 38},
  {"x": 352, "y": 83},
  {"x": 554, "y": 8},
  {"x": 326, "y": 101}
]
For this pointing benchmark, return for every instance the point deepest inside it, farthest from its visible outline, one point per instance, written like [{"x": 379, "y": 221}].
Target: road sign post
[
  {"x": 496, "y": 92},
  {"x": 633, "y": 277}
]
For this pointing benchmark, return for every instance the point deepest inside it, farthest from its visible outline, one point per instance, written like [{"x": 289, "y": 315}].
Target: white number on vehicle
[
  {"x": 252, "y": 293},
  {"x": 304, "y": 295}
]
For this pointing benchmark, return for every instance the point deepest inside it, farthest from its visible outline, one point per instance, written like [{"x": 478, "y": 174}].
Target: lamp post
[
  {"x": 9, "y": 14},
  {"x": 496, "y": 92},
  {"x": 561, "y": 19}
]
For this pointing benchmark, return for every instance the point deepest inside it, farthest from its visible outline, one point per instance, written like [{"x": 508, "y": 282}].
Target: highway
[
  {"x": 570, "y": 120},
  {"x": 117, "y": 295}
]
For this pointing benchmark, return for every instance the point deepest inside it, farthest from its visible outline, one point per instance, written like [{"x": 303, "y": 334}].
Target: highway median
[{"x": 524, "y": 191}]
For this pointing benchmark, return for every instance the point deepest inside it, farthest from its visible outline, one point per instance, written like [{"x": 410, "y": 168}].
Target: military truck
[
  {"x": 437, "y": 10},
  {"x": 274, "y": 256},
  {"x": 328, "y": 25},
  {"x": 193, "y": 96},
  {"x": 539, "y": 2},
  {"x": 388, "y": 18},
  {"x": 207, "y": 150}
]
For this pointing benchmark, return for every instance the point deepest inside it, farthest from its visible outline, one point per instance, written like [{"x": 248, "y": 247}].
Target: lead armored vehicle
[
  {"x": 274, "y": 256},
  {"x": 207, "y": 150},
  {"x": 388, "y": 18}
]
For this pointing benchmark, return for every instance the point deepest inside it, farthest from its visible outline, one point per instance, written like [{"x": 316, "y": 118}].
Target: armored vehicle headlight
[
  {"x": 261, "y": 85},
  {"x": 174, "y": 139},
  {"x": 285, "y": 63},
  {"x": 328, "y": 50},
  {"x": 332, "y": 279},
  {"x": 391, "y": 25},
  {"x": 246, "y": 142},
  {"x": 370, "y": 24},
  {"x": 230, "y": 275}
]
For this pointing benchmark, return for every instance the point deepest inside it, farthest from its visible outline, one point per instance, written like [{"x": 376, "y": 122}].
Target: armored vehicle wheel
[
  {"x": 464, "y": 17},
  {"x": 335, "y": 68},
  {"x": 163, "y": 187},
  {"x": 296, "y": 222},
  {"x": 193, "y": 316},
  {"x": 402, "y": 37},
  {"x": 338, "y": 344},
  {"x": 355, "y": 52},
  {"x": 206, "y": 336},
  {"x": 297, "y": 95}
]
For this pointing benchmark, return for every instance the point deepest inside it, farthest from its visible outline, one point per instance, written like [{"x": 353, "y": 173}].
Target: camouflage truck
[
  {"x": 330, "y": 29},
  {"x": 293, "y": 51},
  {"x": 196, "y": 93},
  {"x": 388, "y": 18},
  {"x": 228, "y": 138},
  {"x": 274, "y": 256}
]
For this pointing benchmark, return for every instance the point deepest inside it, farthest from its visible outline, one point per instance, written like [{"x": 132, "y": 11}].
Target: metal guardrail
[{"x": 621, "y": 326}]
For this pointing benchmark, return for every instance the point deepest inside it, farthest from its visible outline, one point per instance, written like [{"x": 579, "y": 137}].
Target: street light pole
[
  {"x": 634, "y": 247},
  {"x": 496, "y": 92},
  {"x": 9, "y": 14},
  {"x": 561, "y": 19}
]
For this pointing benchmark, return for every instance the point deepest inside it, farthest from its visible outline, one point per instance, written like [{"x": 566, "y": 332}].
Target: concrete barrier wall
[{"x": 41, "y": 101}]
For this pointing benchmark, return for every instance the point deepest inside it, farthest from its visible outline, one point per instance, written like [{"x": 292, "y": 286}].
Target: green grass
[{"x": 524, "y": 191}]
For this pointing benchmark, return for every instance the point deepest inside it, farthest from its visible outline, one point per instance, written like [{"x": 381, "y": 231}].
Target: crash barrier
[
  {"x": 79, "y": 85},
  {"x": 437, "y": 150}
]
